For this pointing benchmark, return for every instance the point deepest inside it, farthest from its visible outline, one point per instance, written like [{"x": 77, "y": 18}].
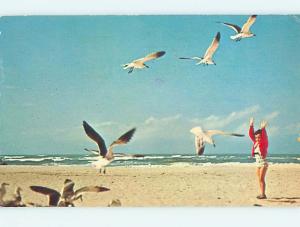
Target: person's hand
[
  {"x": 263, "y": 124},
  {"x": 251, "y": 122}
]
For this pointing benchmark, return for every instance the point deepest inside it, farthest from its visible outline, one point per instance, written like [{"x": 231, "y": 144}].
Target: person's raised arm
[{"x": 264, "y": 136}]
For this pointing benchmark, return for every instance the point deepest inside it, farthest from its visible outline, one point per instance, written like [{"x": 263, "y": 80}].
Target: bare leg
[
  {"x": 104, "y": 171},
  {"x": 258, "y": 176},
  {"x": 262, "y": 182}
]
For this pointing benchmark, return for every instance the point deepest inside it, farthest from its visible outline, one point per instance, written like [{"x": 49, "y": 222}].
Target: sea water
[{"x": 147, "y": 160}]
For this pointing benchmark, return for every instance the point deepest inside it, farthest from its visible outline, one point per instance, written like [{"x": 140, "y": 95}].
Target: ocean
[{"x": 147, "y": 160}]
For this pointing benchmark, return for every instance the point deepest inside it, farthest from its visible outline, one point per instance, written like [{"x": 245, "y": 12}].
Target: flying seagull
[
  {"x": 202, "y": 137},
  {"x": 105, "y": 156},
  {"x": 16, "y": 201},
  {"x": 243, "y": 32},
  {"x": 207, "y": 59},
  {"x": 67, "y": 197},
  {"x": 140, "y": 63}
]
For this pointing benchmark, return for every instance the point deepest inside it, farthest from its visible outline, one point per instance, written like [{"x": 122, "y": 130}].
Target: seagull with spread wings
[
  {"x": 67, "y": 197},
  {"x": 202, "y": 137},
  {"x": 140, "y": 63},
  {"x": 105, "y": 156},
  {"x": 207, "y": 58},
  {"x": 243, "y": 32}
]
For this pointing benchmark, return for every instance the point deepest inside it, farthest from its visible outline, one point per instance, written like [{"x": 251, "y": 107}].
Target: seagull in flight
[
  {"x": 140, "y": 63},
  {"x": 105, "y": 156},
  {"x": 67, "y": 197},
  {"x": 207, "y": 59},
  {"x": 202, "y": 137},
  {"x": 243, "y": 32}
]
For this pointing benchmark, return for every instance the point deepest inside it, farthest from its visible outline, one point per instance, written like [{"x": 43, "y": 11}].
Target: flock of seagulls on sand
[{"x": 66, "y": 198}]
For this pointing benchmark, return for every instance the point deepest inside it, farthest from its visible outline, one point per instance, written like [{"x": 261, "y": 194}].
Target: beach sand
[{"x": 207, "y": 185}]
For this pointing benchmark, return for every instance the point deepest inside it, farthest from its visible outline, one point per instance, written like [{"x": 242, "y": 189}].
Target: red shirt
[{"x": 263, "y": 144}]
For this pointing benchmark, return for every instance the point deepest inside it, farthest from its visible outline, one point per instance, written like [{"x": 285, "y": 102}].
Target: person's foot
[{"x": 261, "y": 197}]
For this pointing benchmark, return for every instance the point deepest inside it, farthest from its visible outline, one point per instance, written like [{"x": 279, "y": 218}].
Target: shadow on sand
[{"x": 284, "y": 199}]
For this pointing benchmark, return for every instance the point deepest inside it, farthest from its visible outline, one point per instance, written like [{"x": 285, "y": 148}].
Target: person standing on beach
[{"x": 260, "y": 151}]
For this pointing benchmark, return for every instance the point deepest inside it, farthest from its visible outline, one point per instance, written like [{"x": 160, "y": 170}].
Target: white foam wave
[
  {"x": 11, "y": 156},
  {"x": 154, "y": 157},
  {"x": 28, "y": 159}
]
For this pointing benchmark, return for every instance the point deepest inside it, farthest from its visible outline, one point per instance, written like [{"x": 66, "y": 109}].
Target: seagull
[
  {"x": 115, "y": 203},
  {"x": 140, "y": 63},
  {"x": 207, "y": 59},
  {"x": 202, "y": 137},
  {"x": 105, "y": 156},
  {"x": 16, "y": 201},
  {"x": 3, "y": 191},
  {"x": 68, "y": 195},
  {"x": 243, "y": 32}
]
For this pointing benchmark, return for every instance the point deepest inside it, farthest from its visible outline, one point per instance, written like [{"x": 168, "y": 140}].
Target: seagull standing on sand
[
  {"x": 68, "y": 195},
  {"x": 202, "y": 137},
  {"x": 105, "y": 156},
  {"x": 16, "y": 201},
  {"x": 140, "y": 63},
  {"x": 2, "y": 191},
  {"x": 243, "y": 32},
  {"x": 207, "y": 59}
]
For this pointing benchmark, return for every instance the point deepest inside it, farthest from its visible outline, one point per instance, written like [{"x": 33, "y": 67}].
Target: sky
[{"x": 56, "y": 71}]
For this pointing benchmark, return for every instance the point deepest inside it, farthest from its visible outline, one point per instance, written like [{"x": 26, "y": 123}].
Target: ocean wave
[
  {"x": 28, "y": 159},
  {"x": 154, "y": 157},
  {"x": 12, "y": 156}
]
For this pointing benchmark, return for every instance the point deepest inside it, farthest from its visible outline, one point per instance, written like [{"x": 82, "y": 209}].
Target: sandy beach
[{"x": 212, "y": 185}]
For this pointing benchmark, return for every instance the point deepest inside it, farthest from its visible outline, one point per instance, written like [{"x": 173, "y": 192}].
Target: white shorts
[{"x": 260, "y": 161}]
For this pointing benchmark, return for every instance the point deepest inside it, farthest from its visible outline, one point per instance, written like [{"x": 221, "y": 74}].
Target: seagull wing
[
  {"x": 125, "y": 138},
  {"x": 219, "y": 132},
  {"x": 213, "y": 46},
  {"x": 248, "y": 24},
  {"x": 236, "y": 28},
  {"x": 90, "y": 189},
  {"x": 153, "y": 56},
  {"x": 199, "y": 144},
  {"x": 96, "y": 137},
  {"x": 54, "y": 195},
  {"x": 191, "y": 58}
]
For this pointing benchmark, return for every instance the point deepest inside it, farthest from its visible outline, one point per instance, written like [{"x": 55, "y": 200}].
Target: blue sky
[{"x": 56, "y": 71}]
